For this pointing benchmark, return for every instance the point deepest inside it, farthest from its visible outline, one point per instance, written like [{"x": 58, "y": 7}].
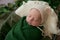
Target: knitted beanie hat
[{"x": 26, "y": 7}]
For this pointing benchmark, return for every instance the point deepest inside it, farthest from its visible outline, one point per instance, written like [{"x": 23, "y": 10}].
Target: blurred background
[{"x": 8, "y": 18}]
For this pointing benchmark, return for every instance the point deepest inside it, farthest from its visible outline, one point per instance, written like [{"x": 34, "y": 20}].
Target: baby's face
[{"x": 34, "y": 17}]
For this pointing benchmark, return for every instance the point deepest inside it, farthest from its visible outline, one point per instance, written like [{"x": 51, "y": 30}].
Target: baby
[{"x": 35, "y": 14}]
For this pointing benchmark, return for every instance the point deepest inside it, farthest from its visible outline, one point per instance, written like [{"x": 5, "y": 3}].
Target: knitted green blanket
[{"x": 23, "y": 31}]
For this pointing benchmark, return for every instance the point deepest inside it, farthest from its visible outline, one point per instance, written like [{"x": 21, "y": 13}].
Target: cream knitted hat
[{"x": 26, "y": 7}]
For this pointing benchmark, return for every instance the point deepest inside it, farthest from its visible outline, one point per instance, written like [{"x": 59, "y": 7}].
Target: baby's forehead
[{"x": 35, "y": 11}]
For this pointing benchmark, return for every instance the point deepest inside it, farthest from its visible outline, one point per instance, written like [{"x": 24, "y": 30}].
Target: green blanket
[{"x": 23, "y": 31}]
